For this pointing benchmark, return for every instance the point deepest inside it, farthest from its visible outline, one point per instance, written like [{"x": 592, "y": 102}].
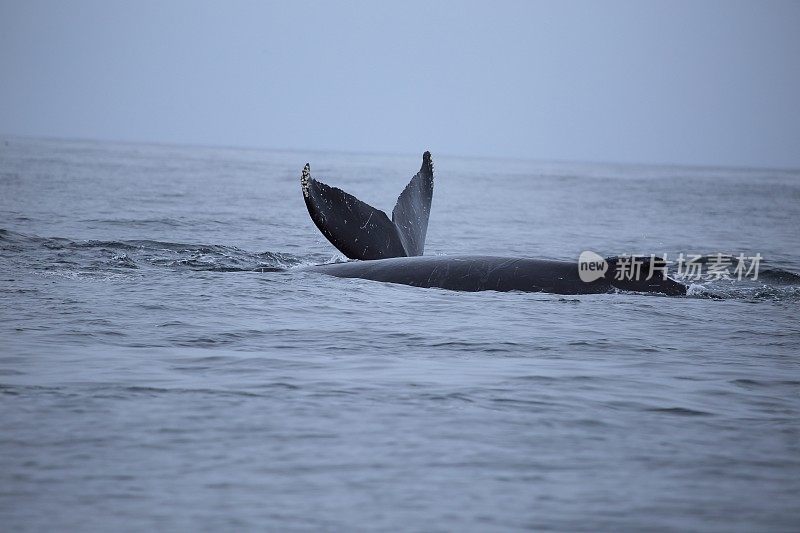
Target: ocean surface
[{"x": 166, "y": 364}]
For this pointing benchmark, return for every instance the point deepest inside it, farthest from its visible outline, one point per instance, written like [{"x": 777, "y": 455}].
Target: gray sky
[{"x": 661, "y": 82}]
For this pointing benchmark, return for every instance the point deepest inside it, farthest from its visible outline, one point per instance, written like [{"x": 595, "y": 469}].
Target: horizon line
[{"x": 189, "y": 144}]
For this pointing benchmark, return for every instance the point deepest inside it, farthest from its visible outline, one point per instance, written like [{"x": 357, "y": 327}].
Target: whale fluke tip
[
  {"x": 427, "y": 162},
  {"x": 304, "y": 179}
]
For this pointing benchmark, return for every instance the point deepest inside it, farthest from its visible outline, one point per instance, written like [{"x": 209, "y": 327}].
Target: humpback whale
[{"x": 391, "y": 250}]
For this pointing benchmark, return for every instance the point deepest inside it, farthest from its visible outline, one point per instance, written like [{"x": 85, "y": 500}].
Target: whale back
[{"x": 483, "y": 273}]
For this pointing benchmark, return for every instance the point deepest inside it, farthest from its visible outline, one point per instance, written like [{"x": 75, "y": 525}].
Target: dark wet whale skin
[
  {"x": 482, "y": 273},
  {"x": 361, "y": 231},
  {"x": 393, "y": 248}
]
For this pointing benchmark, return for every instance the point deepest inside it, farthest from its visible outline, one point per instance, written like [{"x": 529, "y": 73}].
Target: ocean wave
[{"x": 58, "y": 253}]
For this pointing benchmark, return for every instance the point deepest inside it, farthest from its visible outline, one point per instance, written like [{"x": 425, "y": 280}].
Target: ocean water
[{"x": 166, "y": 364}]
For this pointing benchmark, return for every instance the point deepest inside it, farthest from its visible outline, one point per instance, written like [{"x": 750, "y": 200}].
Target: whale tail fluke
[
  {"x": 361, "y": 231},
  {"x": 410, "y": 214}
]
